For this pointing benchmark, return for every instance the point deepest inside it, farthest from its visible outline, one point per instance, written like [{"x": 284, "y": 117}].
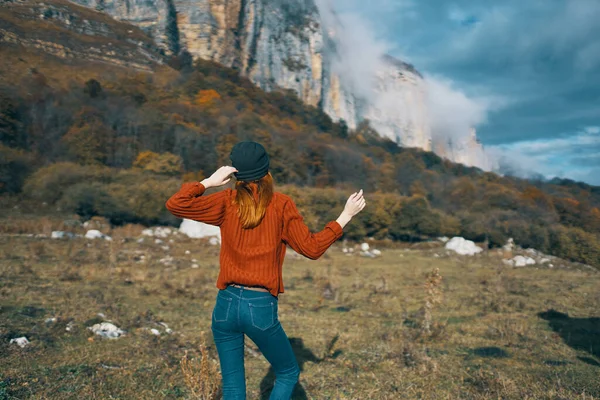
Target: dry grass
[
  {"x": 383, "y": 328},
  {"x": 202, "y": 377}
]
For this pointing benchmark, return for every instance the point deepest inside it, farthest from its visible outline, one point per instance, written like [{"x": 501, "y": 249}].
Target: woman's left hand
[{"x": 219, "y": 177}]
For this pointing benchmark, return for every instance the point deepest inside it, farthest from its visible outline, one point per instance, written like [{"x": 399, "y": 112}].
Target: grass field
[{"x": 362, "y": 328}]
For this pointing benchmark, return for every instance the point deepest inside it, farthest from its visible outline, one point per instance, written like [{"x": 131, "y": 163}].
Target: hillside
[{"x": 78, "y": 130}]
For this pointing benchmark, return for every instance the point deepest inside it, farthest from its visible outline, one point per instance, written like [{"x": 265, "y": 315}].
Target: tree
[
  {"x": 163, "y": 164},
  {"x": 93, "y": 88},
  {"x": 88, "y": 140},
  {"x": 9, "y": 123}
]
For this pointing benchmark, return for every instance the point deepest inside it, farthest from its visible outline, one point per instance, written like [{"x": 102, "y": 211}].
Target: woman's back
[{"x": 253, "y": 256}]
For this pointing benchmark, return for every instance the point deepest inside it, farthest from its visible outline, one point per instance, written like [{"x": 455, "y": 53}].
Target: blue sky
[{"x": 533, "y": 66}]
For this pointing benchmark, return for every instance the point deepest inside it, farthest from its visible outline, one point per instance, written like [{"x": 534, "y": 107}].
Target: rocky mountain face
[
  {"x": 67, "y": 31},
  {"x": 466, "y": 150},
  {"x": 285, "y": 43}
]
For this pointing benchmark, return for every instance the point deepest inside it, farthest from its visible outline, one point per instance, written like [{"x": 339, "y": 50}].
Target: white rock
[
  {"x": 544, "y": 260},
  {"x": 366, "y": 254},
  {"x": 168, "y": 260},
  {"x": 57, "y": 235},
  {"x": 155, "y": 331},
  {"x": 376, "y": 252},
  {"x": 70, "y": 326},
  {"x": 165, "y": 248},
  {"x": 443, "y": 239},
  {"x": 107, "y": 330},
  {"x": 462, "y": 246},
  {"x": 195, "y": 266},
  {"x": 96, "y": 234},
  {"x": 140, "y": 240},
  {"x": 510, "y": 244},
  {"x": 520, "y": 261},
  {"x": 364, "y": 246},
  {"x": 20, "y": 341},
  {"x": 158, "y": 241},
  {"x": 161, "y": 231},
  {"x": 195, "y": 229},
  {"x": 213, "y": 241},
  {"x": 148, "y": 232},
  {"x": 187, "y": 252},
  {"x": 344, "y": 250},
  {"x": 50, "y": 320}
]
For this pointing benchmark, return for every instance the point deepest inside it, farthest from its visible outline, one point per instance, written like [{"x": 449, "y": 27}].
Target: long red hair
[{"x": 250, "y": 211}]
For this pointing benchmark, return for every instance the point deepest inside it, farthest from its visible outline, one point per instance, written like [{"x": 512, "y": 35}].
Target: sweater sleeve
[
  {"x": 190, "y": 203},
  {"x": 299, "y": 237}
]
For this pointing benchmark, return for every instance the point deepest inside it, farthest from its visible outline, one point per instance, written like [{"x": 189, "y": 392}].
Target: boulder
[
  {"x": 20, "y": 341},
  {"x": 462, "y": 246},
  {"x": 521, "y": 261},
  {"x": 107, "y": 330},
  {"x": 96, "y": 234},
  {"x": 195, "y": 229}
]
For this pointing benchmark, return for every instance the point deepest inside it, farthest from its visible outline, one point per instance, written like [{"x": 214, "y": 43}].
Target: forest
[{"x": 117, "y": 142}]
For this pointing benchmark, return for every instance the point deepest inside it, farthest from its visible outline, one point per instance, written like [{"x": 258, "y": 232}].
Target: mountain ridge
[{"x": 290, "y": 44}]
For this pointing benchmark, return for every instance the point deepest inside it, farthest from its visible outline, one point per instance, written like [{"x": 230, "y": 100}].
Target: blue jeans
[{"x": 240, "y": 311}]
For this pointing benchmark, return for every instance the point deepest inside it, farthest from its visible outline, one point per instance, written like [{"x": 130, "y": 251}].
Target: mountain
[
  {"x": 90, "y": 108},
  {"x": 71, "y": 32},
  {"x": 290, "y": 44}
]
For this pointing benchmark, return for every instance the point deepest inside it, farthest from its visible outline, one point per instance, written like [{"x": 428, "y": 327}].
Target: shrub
[
  {"x": 49, "y": 183},
  {"x": 146, "y": 200},
  {"x": 164, "y": 164},
  {"x": 575, "y": 244},
  {"x": 89, "y": 199},
  {"x": 15, "y": 165}
]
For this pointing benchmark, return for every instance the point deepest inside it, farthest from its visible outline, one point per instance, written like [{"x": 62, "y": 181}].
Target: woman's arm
[
  {"x": 190, "y": 203},
  {"x": 301, "y": 239},
  {"x": 313, "y": 245}
]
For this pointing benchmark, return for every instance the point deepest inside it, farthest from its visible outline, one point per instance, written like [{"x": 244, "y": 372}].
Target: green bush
[
  {"x": 146, "y": 199},
  {"x": 575, "y": 244},
  {"x": 15, "y": 166},
  {"x": 89, "y": 199},
  {"x": 50, "y": 183}
]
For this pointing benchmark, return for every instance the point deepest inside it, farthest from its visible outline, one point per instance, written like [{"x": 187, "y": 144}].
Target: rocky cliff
[
  {"x": 67, "y": 31},
  {"x": 465, "y": 150},
  {"x": 286, "y": 43}
]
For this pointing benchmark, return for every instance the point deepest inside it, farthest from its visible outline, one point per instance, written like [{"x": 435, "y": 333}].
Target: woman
[{"x": 256, "y": 225}]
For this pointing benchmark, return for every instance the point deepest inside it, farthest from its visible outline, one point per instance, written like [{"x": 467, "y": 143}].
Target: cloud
[
  {"x": 359, "y": 50},
  {"x": 452, "y": 112},
  {"x": 575, "y": 156},
  {"x": 544, "y": 56}
]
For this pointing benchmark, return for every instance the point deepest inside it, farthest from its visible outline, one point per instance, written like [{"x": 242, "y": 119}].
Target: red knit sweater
[{"x": 253, "y": 257}]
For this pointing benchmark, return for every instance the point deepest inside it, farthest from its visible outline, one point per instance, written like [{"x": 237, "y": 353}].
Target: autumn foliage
[{"x": 83, "y": 146}]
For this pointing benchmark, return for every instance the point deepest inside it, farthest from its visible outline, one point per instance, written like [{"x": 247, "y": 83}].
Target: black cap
[{"x": 250, "y": 159}]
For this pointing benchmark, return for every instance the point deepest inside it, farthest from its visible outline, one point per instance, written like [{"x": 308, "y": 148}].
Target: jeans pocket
[
  {"x": 221, "y": 310},
  {"x": 263, "y": 314}
]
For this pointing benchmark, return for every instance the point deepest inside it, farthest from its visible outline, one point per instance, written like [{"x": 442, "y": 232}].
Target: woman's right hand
[{"x": 356, "y": 202}]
